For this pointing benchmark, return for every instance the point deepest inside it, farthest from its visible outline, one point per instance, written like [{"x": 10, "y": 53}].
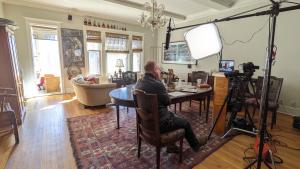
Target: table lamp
[{"x": 119, "y": 64}]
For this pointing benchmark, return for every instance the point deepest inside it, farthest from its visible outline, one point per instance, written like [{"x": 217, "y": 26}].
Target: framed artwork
[
  {"x": 72, "y": 46},
  {"x": 177, "y": 53}
]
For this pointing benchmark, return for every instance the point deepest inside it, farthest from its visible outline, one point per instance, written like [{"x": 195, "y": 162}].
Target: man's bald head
[{"x": 153, "y": 68}]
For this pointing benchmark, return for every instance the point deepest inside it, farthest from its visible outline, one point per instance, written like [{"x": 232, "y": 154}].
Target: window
[
  {"x": 116, "y": 46},
  {"x": 94, "y": 52},
  {"x": 136, "y": 61},
  {"x": 112, "y": 59},
  {"x": 137, "y": 50}
]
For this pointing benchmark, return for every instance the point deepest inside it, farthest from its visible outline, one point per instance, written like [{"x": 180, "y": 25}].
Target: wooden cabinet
[
  {"x": 220, "y": 93},
  {"x": 10, "y": 75}
]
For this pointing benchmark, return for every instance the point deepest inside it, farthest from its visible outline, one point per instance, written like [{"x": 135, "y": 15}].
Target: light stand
[
  {"x": 273, "y": 12},
  {"x": 266, "y": 84}
]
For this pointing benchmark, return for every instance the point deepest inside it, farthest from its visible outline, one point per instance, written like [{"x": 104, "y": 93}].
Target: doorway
[{"x": 46, "y": 60}]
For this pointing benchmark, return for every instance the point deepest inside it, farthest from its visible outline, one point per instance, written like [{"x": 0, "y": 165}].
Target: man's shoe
[
  {"x": 173, "y": 149},
  {"x": 202, "y": 141}
]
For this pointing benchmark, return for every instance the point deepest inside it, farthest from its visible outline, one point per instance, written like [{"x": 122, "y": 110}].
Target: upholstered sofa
[{"x": 93, "y": 94}]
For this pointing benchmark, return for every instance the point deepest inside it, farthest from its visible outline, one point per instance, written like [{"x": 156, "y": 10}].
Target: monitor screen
[{"x": 226, "y": 66}]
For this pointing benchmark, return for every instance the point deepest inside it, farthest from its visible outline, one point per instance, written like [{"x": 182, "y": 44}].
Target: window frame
[
  {"x": 103, "y": 59},
  {"x": 100, "y": 64}
]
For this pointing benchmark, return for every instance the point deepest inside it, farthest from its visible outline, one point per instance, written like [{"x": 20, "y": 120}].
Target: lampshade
[
  {"x": 119, "y": 63},
  {"x": 203, "y": 41}
]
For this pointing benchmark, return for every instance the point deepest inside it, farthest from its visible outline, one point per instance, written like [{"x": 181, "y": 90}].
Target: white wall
[
  {"x": 287, "y": 62},
  {"x": 1, "y": 10},
  {"x": 17, "y": 14}
]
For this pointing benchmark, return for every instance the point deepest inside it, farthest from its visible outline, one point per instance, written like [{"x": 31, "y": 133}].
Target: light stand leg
[
  {"x": 272, "y": 160},
  {"x": 265, "y": 96}
]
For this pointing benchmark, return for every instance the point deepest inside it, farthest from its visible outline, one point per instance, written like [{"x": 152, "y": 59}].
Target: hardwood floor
[{"x": 44, "y": 139}]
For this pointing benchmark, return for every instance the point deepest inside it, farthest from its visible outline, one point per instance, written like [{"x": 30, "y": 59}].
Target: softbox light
[{"x": 203, "y": 41}]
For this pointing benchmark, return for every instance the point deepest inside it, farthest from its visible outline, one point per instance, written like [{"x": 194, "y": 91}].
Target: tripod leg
[
  {"x": 266, "y": 163},
  {"x": 219, "y": 114},
  {"x": 249, "y": 117},
  {"x": 250, "y": 164}
]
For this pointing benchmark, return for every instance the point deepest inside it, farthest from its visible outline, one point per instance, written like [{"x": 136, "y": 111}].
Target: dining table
[{"x": 124, "y": 97}]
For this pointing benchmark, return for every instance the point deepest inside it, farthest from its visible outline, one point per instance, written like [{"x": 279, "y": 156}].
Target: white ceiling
[{"x": 191, "y": 9}]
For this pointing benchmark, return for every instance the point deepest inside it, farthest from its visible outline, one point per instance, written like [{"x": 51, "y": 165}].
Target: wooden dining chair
[
  {"x": 8, "y": 119},
  {"x": 204, "y": 79},
  {"x": 274, "y": 93},
  {"x": 148, "y": 126},
  {"x": 129, "y": 77}
]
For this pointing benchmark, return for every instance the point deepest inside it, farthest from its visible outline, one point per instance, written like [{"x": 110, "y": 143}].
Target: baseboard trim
[
  {"x": 69, "y": 90},
  {"x": 293, "y": 111}
]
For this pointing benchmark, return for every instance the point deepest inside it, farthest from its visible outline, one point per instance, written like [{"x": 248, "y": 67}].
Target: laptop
[{"x": 226, "y": 66}]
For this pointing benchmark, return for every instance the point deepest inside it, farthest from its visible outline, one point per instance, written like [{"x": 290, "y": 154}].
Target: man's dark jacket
[{"x": 150, "y": 85}]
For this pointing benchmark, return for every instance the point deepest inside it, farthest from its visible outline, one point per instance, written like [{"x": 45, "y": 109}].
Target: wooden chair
[
  {"x": 129, "y": 77},
  {"x": 8, "y": 119},
  {"x": 204, "y": 79},
  {"x": 52, "y": 83},
  {"x": 274, "y": 93},
  {"x": 148, "y": 126}
]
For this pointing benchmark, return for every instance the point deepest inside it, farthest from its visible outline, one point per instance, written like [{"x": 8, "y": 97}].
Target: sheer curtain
[
  {"x": 94, "y": 52},
  {"x": 137, "y": 51},
  {"x": 116, "y": 46}
]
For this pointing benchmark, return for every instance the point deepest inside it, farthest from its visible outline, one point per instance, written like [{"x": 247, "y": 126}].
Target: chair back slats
[
  {"x": 274, "y": 90},
  {"x": 258, "y": 86},
  {"x": 144, "y": 115},
  {"x": 199, "y": 75},
  {"x": 129, "y": 77},
  {"x": 147, "y": 114}
]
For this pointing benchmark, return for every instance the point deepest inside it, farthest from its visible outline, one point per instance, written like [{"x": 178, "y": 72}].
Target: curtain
[
  {"x": 116, "y": 43},
  {"x": 93, "y": 36},
  {"x": 137, "y": 43}
]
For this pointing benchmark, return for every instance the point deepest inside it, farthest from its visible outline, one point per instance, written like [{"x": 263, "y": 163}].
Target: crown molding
[
  {"x": 141, "y": 7},
  {"x": 215, "y": 13},
  {"x": 73, "y": 11}
]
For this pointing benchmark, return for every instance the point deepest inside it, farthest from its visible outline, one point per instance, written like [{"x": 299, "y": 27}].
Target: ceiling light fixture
[{"x": 153, "y": 16}]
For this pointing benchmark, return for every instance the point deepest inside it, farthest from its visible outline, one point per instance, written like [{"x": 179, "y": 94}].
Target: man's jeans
[{"x": 174, "y": 123}]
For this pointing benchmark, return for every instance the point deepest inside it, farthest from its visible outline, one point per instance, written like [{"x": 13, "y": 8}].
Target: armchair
[
  {"x": 52, "y": 83},
  {"x": 93, "y": 94}
]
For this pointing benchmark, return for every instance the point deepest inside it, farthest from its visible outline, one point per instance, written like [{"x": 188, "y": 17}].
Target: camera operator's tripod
[{"x": 237, "y": 88}]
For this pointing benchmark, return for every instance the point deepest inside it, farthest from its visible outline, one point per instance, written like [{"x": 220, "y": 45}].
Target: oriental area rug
[{"x": 97, "y": 144}]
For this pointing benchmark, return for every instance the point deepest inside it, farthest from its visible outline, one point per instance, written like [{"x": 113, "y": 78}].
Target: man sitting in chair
[{"x": 151, "y": 83}]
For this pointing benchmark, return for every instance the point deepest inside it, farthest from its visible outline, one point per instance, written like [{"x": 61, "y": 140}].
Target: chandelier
[{"x": 153, "y": 16}]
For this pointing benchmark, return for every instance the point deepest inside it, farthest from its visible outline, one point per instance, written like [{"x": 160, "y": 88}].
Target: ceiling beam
[
  {"x": 141, "y": 7},
  {"x": 217, "y": 4}
]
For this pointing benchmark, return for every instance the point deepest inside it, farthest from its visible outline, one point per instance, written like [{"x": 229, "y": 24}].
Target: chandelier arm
[{"x": 156, "y": 19}]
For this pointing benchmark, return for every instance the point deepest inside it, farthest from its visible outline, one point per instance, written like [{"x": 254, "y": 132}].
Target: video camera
[
  {"x": 239, "y": 83},
  {"x": 248, "y": 70}
]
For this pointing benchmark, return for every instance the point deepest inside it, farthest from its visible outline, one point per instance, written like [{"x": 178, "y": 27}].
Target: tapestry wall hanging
[{"x": 73, "y": 50}]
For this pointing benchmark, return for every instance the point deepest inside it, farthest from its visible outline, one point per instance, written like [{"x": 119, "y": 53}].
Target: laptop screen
[{"x": 226, "y": 66}]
